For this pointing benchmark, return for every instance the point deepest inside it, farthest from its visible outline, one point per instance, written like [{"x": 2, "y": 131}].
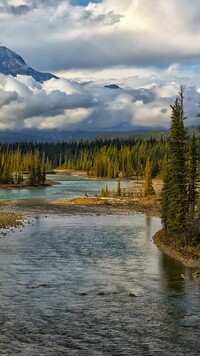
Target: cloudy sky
[{"x": 147, "y": 47}]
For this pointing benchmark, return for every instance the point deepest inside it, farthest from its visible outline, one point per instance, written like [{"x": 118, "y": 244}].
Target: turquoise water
[{"x": 68, "y": 187}]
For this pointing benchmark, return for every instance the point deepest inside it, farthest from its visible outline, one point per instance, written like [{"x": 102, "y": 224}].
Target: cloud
[
  {"x": 148, "y": 52},
  {"x": 65, "y": 105},
  {"x": 108, "y": 33},
  {"x": 26, "y": 103},
  {"x": 15, "y": 10}
]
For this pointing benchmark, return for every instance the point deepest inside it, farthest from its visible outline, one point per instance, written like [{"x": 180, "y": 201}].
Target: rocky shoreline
[{"x": 25, "y": 184}]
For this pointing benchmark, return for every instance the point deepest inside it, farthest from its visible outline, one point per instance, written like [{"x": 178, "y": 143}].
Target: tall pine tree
[{"x": 174, "y": 196}]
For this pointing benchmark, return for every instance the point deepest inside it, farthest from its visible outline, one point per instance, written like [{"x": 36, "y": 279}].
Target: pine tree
[
  {"x": 148, "y": 187},
  {"x": 119, "y": 192},
  {"x": 174, "y": 197},
  {"x": 32, "y": 173}
]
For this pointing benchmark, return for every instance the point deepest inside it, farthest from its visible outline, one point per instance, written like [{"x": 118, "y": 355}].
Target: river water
[
  {"x": 68, "y": 187},
  {"x": 94, "y": 284}
]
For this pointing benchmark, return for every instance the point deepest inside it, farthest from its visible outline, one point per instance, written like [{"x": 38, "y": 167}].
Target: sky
[{"x": 147, "y": 47}]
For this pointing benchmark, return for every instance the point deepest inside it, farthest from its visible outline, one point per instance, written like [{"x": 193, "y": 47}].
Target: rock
[
  {"x": 132, "y": 295},
  {"x": 37, "y": 286},
  {"x": 196, "y": 276}
]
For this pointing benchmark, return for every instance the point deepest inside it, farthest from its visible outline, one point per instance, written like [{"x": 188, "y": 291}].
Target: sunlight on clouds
[
  {"x": 62, "y": 85},
  {"x": 66, "y": 120},
  {"x": 153, "y": 115},
  {"x": 140, "y": 45}
]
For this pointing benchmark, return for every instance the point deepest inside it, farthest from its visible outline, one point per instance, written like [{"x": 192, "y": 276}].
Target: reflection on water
[
  {"x": 67, "y": 287},
  {"x": 182, "y": 293},
  {"x": 172, "y": 271}
]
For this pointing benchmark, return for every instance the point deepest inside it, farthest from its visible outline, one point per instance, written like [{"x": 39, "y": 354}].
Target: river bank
[
  {"x": 188, "y": 255},
  {"x": 25, "y": 184},
  {"x": 147, "y": 205}
]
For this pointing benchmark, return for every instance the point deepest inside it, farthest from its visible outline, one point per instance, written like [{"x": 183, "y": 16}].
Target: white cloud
[
  {"x": 63, "y": 104},
  {"x": 148, "y": 47},
  {"x": 114, "y": 32}
]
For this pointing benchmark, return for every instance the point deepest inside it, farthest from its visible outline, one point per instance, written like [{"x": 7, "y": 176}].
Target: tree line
[
  {"x": 103, "y": 158},
  {"x": 109, "y": 158},
  {"x": 13, "y": 164}
]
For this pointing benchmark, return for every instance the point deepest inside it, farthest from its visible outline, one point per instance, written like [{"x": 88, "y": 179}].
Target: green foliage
[
  {"x": 174, "y": 194},
  {"x": 148, "y": 187},
  {"x": 192, "y": 176},
  {"x": 37, "y": 172},
  {"x": 179, "y": 194},
  {"x": 105, "y": 192},
  {"x": 5, "y": 174},
  {"x": 119, "y": 191},
  {"x": 124, "y": 158}
]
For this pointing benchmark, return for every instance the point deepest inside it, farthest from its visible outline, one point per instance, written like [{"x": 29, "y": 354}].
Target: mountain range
[{"x": 12, "y": 64}]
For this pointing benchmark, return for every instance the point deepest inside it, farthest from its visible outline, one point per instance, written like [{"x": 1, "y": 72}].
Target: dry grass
[
  {"x": 82, "y": 201},
  {"x": 10, "y": 219},
  {"x": 4, "y": 203}
]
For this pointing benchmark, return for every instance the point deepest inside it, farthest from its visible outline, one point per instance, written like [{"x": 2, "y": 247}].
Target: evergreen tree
[
  {"x": 174, "y": 197},
  {"x": 38, "y": 174},
  {"x": 43, "y": 173},
  {"x": 119, "y": 192},
  {"x": 32, "y": 173},
  {"x": 148, "y": 187}
]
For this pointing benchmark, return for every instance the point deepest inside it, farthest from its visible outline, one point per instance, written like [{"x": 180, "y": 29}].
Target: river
[
  {"x": 94, "y": 284},
  {"x": 67, "y": 187}
]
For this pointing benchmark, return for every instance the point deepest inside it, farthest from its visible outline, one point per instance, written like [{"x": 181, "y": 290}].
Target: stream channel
[{"x": 92, "y": 283}]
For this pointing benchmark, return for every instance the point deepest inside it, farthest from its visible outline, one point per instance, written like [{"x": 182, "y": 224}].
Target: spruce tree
[
  {"x": 174, "y": 196},
  {"x": 148, "y": 187},
  {"x": 119, "y": 192},
  {"x": 32, "y": 173}
]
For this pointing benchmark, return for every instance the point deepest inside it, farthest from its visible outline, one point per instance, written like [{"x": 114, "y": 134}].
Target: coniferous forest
[{"x": 103, "y": 158}]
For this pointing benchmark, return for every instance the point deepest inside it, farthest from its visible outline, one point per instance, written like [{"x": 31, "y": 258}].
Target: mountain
[
  {"x": 35, "y": 135},
  {"x": 12, "y": 64},
  {"x": 112, "y": 86}
]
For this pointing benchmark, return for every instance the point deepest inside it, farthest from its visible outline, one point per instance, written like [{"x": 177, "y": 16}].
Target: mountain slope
[{"x": 12, "y": 64}]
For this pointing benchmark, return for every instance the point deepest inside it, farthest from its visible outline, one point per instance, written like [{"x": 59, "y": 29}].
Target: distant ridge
[
  {"x": 12, "y": 64},
  {"x": 112, "y": 86}
]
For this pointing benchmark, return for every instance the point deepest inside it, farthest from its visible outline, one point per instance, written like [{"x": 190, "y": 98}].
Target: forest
[{"x": 103, "y": 158}]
